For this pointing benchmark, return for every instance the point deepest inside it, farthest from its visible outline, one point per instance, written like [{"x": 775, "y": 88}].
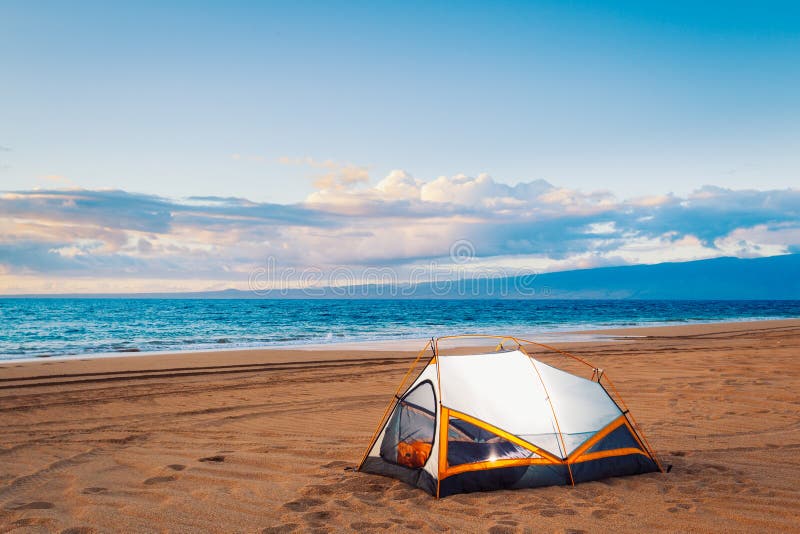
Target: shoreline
[
  {"x": 579, "y": 335},
  {"x": 400, "y": 350}
]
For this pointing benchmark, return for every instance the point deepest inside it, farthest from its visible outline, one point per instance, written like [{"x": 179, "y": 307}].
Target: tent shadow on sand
[{"x": 505, "y": 419}]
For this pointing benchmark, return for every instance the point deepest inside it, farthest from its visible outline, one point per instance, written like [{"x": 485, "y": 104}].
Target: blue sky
[{"x": 309, "y": 106}]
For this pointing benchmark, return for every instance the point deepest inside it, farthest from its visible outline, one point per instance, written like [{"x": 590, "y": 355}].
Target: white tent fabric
[
  {"x": 581, "y": 406},
  {"x": 502, "y": 390},
  {"x": 505, "y": 390}
]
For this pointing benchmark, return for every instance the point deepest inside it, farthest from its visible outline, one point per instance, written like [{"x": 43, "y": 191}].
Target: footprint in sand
[
  {"x": 94, "y": 490},
  {"x": 321, "y": 489},
  {"x": 600, "y": 514},
  {"x": 368, "y": 498},
  {"x": 404, "y": 494},
  {"x": 320, "y": 517},
  {"x": 158, "y": 480},
  {"x": 218, "y": 458},
  {"x": 177, "y": 467},
  {"x": 301, "y": 505},
  {"x": 679, "y": 507},
  {"x": 492, "y": 515},
  {"x": 552, "y": 512},
  {"x": 35, "y": 505}
]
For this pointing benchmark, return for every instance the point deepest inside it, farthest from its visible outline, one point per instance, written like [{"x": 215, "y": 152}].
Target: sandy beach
[{"x": 265, "y": 440}]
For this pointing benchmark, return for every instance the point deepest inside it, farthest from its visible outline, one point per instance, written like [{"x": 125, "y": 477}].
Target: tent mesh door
[{"x": 408, "y": 440}]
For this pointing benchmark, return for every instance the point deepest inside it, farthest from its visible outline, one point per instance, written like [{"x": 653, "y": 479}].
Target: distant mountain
[{"x": 775, "y": 277}]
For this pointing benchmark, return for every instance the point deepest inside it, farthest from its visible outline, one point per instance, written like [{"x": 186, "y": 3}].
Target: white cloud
[
  {"x": 602, "y": 228},
  {"x": 666, "y": 247},
  {"x": 462, "y": 190},
  {"x": 398, "y": 221},
  {"x": 760, "y": 240},
  {"x": 398, "y": 185}
]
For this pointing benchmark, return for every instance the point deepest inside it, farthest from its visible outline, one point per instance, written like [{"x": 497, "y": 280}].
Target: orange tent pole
[
  {"x": 548, "y": 347},
  {"x": 444, "y": 421}
]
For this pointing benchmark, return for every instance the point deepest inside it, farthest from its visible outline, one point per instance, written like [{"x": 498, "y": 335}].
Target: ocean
[{"x": 42, "y": 327}]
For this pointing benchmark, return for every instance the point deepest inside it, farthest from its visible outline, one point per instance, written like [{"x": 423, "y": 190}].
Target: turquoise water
[{"x": 52, "y": 327}]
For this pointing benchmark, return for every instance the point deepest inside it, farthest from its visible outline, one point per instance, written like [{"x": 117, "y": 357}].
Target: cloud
[
  {"x": 711, "y": 212},
  {"x": 343, "y": 178},
  {"x": 459, "y": 194},
  {"x": 399, "y": 221},
  {"x": 539, "y": 220},
  {"x": 87, "y": 233},
  {"x": 148, "y": 213}
]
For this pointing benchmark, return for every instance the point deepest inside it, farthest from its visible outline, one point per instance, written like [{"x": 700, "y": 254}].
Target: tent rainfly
[{"x": 504, "y": 419}]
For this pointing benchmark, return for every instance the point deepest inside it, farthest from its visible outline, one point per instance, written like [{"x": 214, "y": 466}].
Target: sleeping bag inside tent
[{"x": 504, "y": 419}]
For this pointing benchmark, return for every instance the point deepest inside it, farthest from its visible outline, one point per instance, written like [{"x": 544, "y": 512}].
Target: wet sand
[{"x": 263, "y": 440}]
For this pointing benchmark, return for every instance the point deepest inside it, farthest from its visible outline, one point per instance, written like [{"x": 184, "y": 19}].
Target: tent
[{"x": 505, "y": 419}]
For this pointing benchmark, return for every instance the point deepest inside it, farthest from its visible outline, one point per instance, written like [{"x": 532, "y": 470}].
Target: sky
[{"x": 169, "y": 146}]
